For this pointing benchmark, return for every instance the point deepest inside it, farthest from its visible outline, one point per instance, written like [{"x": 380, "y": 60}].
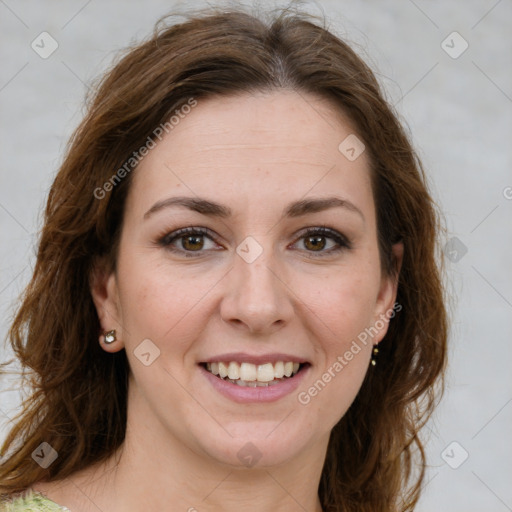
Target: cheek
[
  {"x": 343, "y": 352},
  {"x": 341, "y": 312},
  {"x": 342, "y": 304},
  {"x": 162, "y": 302}
]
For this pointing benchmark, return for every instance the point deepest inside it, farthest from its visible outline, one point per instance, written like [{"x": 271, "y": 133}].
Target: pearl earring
[{"x": 110, "y": 336}]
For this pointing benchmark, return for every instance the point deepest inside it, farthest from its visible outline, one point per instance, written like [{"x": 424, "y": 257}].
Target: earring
[
  {"x": 110, "y": 336},
  {"x": 375, "y": 351}
]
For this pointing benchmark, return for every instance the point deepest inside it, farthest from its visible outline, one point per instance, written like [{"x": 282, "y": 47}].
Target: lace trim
[{"x": 32, "y": 501}]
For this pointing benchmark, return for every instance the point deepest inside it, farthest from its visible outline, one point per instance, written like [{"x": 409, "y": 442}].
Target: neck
[{"x": 148, "y": 477}]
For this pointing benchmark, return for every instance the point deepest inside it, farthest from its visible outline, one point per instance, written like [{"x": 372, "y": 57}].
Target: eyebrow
[{"x": 294, "y": 209}]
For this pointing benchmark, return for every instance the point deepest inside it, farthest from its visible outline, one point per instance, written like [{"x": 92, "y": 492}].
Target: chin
[{"x": 259, "y": 445}]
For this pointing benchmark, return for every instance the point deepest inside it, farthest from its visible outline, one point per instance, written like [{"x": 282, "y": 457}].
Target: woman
[{"x": 239, "y": 222}]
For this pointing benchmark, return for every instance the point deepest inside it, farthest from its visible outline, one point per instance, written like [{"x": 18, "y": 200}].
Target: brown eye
[
  {"x": 192, "y": 242},
  {"x": 315, "y": 243},
  {"x": 189, "y": 242},
  {"x": 324, "y": 241}
]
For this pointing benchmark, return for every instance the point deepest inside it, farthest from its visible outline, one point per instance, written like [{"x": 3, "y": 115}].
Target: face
[{"x": 280, "y": 266}]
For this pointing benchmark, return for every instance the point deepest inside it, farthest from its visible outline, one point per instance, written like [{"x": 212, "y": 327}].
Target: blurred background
[{"x": 446, "y": 66}]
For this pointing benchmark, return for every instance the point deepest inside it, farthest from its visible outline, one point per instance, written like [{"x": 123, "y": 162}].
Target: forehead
[{"x": 260, "y": 145}]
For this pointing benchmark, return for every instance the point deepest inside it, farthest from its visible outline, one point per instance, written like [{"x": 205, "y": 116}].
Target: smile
[{"x": 252, "y": 375}]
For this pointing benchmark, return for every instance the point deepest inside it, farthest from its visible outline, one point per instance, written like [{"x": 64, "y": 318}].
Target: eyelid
[
  {"x": 168, "y": 237},
  {"x": 343, "y": 242},
  {"x": 326, "y": 231}
]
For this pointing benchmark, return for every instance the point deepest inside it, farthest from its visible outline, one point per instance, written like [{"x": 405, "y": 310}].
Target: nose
[{"x": 257, "y": 298}]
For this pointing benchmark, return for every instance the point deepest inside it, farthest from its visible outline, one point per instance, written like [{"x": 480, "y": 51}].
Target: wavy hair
[{"x": 78, "y": 402}]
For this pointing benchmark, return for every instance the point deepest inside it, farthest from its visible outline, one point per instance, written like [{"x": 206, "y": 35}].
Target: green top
[{"x": 31, "y": 501}]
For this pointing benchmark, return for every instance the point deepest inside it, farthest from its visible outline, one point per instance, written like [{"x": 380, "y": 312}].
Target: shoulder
[{"x": 30, "y": 501}]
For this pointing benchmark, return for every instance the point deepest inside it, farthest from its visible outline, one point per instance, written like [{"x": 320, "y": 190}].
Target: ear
[
  {"x": 104, "y": 292},
  {"x": 386, "y": 299}
]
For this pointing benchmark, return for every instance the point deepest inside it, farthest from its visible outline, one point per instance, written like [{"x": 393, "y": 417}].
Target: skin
[{"x": 254, "y": 153}]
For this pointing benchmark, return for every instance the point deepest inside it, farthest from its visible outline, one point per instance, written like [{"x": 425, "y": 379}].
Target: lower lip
[{"x": 244, "y": 394}]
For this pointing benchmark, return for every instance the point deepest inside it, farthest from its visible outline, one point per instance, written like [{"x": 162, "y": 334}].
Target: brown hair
[{"x": 78, "y": 403}]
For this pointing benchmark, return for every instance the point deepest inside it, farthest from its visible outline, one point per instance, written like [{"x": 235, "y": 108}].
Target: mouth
[{"x": 255, "y": 375}]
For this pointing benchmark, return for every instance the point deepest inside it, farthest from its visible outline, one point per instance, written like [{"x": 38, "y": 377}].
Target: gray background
[{"x": 459, "y": 113}]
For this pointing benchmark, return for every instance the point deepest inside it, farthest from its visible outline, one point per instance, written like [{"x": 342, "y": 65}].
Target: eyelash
[{"x": 169, "y": 238}]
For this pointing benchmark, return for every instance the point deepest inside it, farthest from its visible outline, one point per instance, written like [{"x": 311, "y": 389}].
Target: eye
[
  {"x": 190, "y": 239},
  {"x": 314, "y": 241}
]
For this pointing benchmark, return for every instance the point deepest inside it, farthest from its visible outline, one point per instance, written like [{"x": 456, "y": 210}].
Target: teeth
[
  {"x": 279, "y": 370},
  {"x": 265, "y": 372},
  {"x": 223, "y": 370},
  {"x": 248, "y": 372},
  {"x": 233, "y": 370},
  {"x": 251, "y": 375}
]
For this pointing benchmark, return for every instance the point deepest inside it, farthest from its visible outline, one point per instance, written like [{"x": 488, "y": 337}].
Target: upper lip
[{"x": 240, "y": 357}]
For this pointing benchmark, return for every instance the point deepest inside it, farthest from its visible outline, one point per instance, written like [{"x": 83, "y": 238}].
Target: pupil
[
  {"x": 318, "y": 241},
  {"x": 196, "y": 242}
]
